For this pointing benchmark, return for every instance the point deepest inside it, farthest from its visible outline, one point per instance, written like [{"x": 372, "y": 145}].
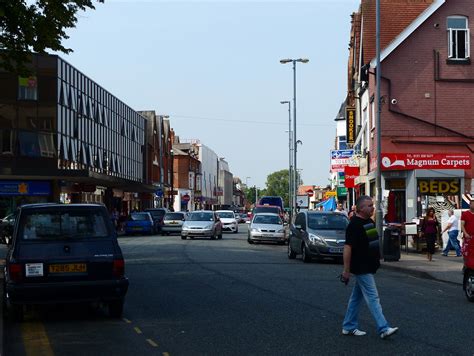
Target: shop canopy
[{"x": 328, "y": 204}]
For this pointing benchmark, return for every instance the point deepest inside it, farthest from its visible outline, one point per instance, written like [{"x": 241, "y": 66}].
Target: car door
[{"x": 296, "y": 238}]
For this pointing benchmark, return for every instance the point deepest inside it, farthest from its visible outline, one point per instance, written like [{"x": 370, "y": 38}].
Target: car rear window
[
  {"x": 60, "y": 225},
  {"x": 156, "y": 213},
  {"x": 174, "y": 216},
  {"x": 226, "y": 215},
  {"x": 201, "y": 217},
  {"x": 139, "y": 217}
]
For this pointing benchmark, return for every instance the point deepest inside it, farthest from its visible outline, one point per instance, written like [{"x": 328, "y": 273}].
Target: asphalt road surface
[{"x": 226, "y": 297}]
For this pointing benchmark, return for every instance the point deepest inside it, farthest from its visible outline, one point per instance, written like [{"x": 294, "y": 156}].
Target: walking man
[
  {"x": 453, "y": 232},
  {"x": 362, "y": 259}
]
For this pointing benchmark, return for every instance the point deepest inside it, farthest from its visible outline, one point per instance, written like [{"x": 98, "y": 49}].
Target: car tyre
[
  {"x": 183, "y": 237},
  {"x": 469, "y": 285},
  {"x": 250, "y": 241},
  {"x": 116, "y": 308},
  {"x": 236, "y": 231},
  {"x": 291, "y": 253},
  {"x": 304, "y": 253}
]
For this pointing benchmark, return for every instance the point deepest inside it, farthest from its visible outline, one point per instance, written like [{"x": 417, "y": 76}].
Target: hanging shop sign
[
  {"x": 439, "y": 186},
  {"x": 351, "y": 173},
  {"x": 340, "y": 159},
  {"x": 350, "y": 125},
  {"x": 410, "y": 161}
]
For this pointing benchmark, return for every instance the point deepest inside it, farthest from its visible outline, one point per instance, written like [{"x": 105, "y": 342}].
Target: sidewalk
[{"x": 446, "y": 269}]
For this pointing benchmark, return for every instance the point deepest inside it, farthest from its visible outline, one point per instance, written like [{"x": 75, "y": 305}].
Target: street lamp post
[
  {"x": 290, "y": 163},
  {"x": 378, "y": 178},
  {"x": 285, "y": 61}
]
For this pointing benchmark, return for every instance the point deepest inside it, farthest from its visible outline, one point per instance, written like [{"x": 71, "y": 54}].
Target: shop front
[{"x": 14, "y": 193}]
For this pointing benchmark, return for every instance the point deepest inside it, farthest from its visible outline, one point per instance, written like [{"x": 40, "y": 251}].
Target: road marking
[
  {"x": 35, "y": 339},
  {"x": 166, "y": 354},
  {"x": 152, "y": 343},
  {"x": 137, "y": 329},
  {"x": 127, "y": 321}
]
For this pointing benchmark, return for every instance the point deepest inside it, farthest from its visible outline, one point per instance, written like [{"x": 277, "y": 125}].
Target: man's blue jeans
[
  {"x": 364, "y": 288},
  {"x": 453, "y": 242}
]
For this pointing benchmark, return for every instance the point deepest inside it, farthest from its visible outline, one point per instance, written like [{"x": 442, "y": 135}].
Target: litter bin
[{"x": 391, "y": 243}]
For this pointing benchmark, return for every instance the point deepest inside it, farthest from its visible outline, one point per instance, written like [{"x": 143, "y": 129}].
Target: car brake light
[
  {"x": 119, "y": 268},
  {"x": 15, "y": 271}
]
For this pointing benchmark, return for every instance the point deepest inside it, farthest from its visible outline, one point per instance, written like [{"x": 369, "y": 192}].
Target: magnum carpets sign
[
  {"x": 350, "y": 125},
  {"x": 410, "y": 161}
]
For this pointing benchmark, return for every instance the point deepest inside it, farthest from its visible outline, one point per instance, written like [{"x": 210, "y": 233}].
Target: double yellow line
[{"x": 35, "y": 339}]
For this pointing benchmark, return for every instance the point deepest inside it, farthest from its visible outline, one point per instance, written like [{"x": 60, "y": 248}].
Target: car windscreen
[
  {"x": 139, "y": 217},
  {"x": 226, "y": 215},
  {"x": 267, "y": 219},
  {"x": 63, "y": 224},
  {"x": 200, "y": 217},
  {"x": 266, "y": 209},
  {"x": 173, "y": 216},
  {"x": 327, "y": 221},
  {"x": 156, "y": 213}
]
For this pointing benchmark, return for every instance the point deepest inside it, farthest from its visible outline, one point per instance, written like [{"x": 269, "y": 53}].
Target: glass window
[
  {"x": 327, "y": 221},
  {"x": 27, "y": 88},
  {"x": 6, "y": 141},
  {"x": 29, "y": 144},
  {"x": 267, "y": 219},
  {"x": 458, "y": 38}
]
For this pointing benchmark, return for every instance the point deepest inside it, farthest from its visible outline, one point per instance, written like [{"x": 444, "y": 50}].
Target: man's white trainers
[
  {"x": 355, "y": 332},
  {"x": 389, "y": 332}
]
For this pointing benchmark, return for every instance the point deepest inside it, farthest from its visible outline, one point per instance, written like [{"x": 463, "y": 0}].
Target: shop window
[
  {"x": 27, "y": 88},
  {"x": 458, "y": 38},
  {"x": 6, "y": 142}
]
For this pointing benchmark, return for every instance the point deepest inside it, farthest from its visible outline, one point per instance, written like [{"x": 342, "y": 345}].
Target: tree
[
  {"x": 250, "y": 193},
  {"x": 36, "y": 27},
  {"x": 277, "y": 184}
]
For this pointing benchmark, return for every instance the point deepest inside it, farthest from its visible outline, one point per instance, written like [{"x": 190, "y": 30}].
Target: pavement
[{"x": 446, "y": 269}]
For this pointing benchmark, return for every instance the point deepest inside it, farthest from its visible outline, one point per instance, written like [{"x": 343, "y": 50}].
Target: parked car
[
  {"x": 229, "y": 221},
  {"x": 243, "y": 218},
  {"x": 63, "y": 253},
  {"x": 202, "y": 223},
  {"x": 317, "y": 234},
  {"x": 173, "y": 222},
  {"x": 266, "y": 227},
  {"x": 141, "y": 223},
  {"x": 6, "y": 228},
  {"x": 157, "y": 214}
]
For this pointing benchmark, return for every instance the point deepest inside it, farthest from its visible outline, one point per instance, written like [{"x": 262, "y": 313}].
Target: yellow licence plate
[{"x": 68, "y": 268}]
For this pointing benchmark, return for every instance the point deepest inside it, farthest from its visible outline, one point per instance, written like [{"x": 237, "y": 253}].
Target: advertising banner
[
  {"x": 351, "y": 173},
  {"x": 340, "y": 159},
  {"x": 350, "y": 126},
  {"x": 410, "y": 161}
]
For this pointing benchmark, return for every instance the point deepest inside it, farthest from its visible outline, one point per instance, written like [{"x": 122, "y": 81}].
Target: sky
[{"x": 213, "y": 67}]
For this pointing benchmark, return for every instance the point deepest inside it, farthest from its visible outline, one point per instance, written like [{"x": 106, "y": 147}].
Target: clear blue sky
[{"x": 213, "y": 66}]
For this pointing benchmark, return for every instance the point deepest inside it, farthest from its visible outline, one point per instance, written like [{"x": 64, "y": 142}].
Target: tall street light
[
  {"x": 290, "y": 163},
  {"x": 378, "y": 178},
  {"x": 285, "y": 61}
]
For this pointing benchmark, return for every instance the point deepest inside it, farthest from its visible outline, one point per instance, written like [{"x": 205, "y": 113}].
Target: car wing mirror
[{"x": 298, "y": 227}]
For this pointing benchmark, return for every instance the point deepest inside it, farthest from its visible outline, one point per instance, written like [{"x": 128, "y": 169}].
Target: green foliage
[
  {"x": 36, "y": 27},
  {"x": 250, "y": 194},
  {"x": 278, "y": 184}
]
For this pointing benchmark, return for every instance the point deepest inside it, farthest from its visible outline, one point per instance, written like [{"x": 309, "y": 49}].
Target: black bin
[{"x": 391, "y": 244}]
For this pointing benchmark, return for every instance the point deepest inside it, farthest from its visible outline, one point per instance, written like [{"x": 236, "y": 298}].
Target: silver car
[
  {"x": 202, "y": 223},
  {"x": 173, "y": 222},
  {"x": 266, "y": 227}
]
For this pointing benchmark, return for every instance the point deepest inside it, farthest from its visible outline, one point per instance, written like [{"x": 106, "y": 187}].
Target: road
[{"x": 226, "y": 297}]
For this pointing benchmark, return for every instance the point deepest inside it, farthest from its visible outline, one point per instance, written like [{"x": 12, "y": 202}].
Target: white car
[
  {"x": 266, "y": 227},
  {"x": 228, "y": 220}
]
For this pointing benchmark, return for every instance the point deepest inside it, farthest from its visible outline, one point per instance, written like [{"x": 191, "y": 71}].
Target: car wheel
[
  {"x": 250, "y": 241},
  {"x": 183, "y": 237},
  {"x": 236, "y": 231},
  {"x": 116, "y": 308},
  {"x": 213, "y": 237},
  {"x": 469, "y": 285},
  {"x": 304, "y": 253},
  {"x": 291, "y": 253}
]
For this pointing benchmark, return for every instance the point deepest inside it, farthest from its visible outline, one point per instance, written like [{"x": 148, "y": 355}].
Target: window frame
[{"x": 453, "y": 47}]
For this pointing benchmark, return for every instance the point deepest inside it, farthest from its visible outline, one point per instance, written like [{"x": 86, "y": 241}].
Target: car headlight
[
  {"x": 316, "y": 239},
  {"x": 209, "y": 227},
  {"x": 185, "y": 227},
  {"x": 281, "y": 230},
  {"x": 253, "y": 230}
]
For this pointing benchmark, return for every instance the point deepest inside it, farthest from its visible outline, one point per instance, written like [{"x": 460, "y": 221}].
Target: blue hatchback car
[{"x": 139, "y": 223}]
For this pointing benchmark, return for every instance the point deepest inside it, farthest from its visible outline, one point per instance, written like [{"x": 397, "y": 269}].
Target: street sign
[
  {"x": 310, "y": 192},
  {"x": 340, "y": 159},
  {"x": 185, "y": 198},
  {"x": 302, "y": 201}
]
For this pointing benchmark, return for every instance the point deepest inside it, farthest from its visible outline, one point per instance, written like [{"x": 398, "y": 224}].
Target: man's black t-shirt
[{"x": 361, "y": 235}]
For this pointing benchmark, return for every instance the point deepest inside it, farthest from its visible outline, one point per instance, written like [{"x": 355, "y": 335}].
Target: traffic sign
[
  {"x": 309, "y": 192},
  {"x": 186, "y": 198}
]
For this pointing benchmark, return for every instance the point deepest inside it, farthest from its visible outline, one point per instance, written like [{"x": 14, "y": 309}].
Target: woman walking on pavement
[{"x": 429, "y": 230}]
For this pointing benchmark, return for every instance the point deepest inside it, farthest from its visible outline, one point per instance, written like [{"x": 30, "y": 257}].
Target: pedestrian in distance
[
  {"x": 453, "y": 232},
  {"x": 340, "y": 209},
  {"x": 430, "y": 230},
  {"x": 362, "y": 259},
  {"x": 352, "y": 212}
]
